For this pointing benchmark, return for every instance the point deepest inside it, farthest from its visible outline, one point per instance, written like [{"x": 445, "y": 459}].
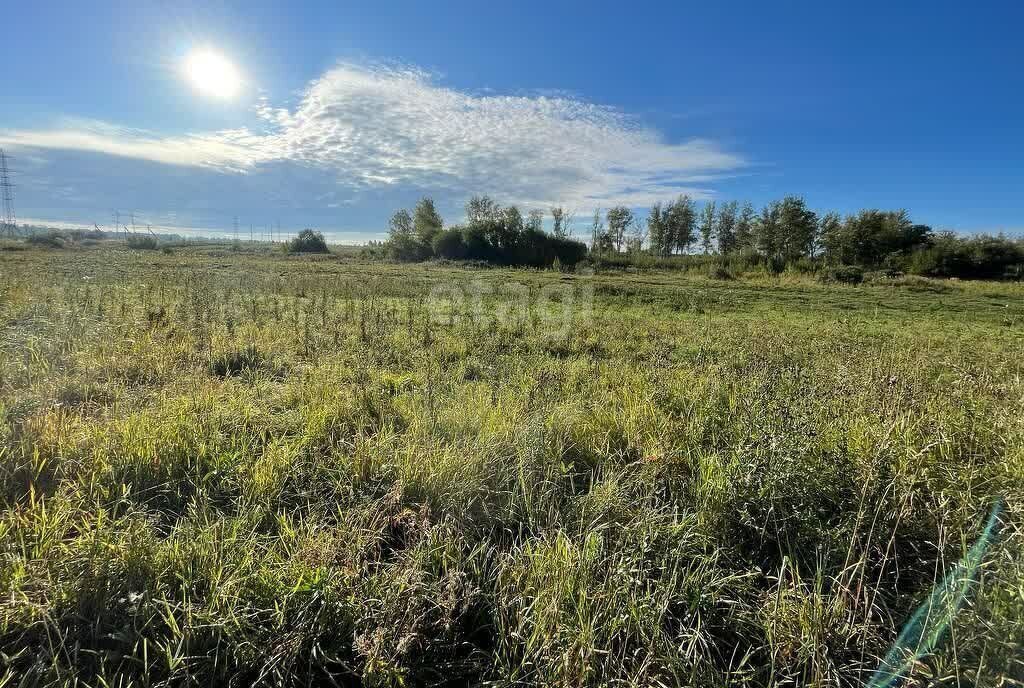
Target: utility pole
[{"x": 7, "y": 193}]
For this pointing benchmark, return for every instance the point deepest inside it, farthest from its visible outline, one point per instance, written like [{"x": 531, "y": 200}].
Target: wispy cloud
[
  {"x": 375, "y": 127},
  {"x": 230, "y": 150}
]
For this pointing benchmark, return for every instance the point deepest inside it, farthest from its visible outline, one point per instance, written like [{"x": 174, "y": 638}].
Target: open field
[{"x": 220, "y": 467}]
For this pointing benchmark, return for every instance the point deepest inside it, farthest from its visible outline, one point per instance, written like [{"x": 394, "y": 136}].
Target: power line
[{"x": 7, "y": 193}]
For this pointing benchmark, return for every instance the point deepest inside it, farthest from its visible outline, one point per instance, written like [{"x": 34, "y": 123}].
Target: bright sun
[{"x": 212, "y": 73}]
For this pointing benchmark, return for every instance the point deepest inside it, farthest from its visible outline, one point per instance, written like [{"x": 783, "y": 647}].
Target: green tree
[
  {"x": 449, "y": 244},
  {"x": 426, "y": 221},
  {"x": 872, "y": 237},
  {"x": 656, "y": 231},
  {"x": 402, "y": 241},
  {"x": 766, "y": 230},
  {"x": 400, "y": 224},
  {"x": 830, "y": 229},
  {"x": 745, "y": 226},
  {"x": 707, "y": 226},
  {"x": 308, "y": 241},
  {"x": 481, "y": 209},
  {"x": 727, "y": 227},
  {"x": 681, "y": 222},
  {"x": 620, "y": 218},
  {"x": 797, "y": 229}
]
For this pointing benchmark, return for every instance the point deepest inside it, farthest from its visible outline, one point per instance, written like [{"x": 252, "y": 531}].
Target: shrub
[
  {"x": 50, "y": 240},
  {"x": 138, "y": 242},
  {"x": 776, "y": 265},
  {"x": 802, "y": 266},
  {"x": 720, "y": 272},
  {"x": 449, "y": 244},
  {"x": 494, "y": 235},
  {"x": 980, "y": 257},
  {"x": 844, "y": 274},
  {"x": 407, "y": 248},
  {"x": 308, "y": 241}
]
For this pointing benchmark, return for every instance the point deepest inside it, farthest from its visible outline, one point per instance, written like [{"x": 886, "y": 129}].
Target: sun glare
[{"x": 212, "y": 74}]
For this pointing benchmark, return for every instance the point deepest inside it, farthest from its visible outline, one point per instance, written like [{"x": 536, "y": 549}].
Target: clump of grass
[
  {"x": 236, "y": 362},
  {"x": 915, "y": 283}
]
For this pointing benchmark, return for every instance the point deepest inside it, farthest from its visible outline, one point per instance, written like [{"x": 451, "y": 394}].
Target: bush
[
  {"x": 50, "y": 240},
  {"x": 980, "y": 257},
  {"x": 308, "y": 241},
  {"x": 138, "y": 242},
  {"x": 407, "y": 248},
  {"x": 449, "y": 244},
  {"x": 844, "y": 274},
  {"x": 493, "y": 235},
  {"x": 802, "y": 266},
  {"x": 720, "y": 272}
]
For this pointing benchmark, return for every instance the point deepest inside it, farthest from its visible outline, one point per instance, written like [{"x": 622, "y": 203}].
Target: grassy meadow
[{"x": 244, "y": 468}]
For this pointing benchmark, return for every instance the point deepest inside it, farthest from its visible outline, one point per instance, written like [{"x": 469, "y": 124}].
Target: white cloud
[
  {"x": 375, "y": 127},
  {"x": 231, "y": 150}
]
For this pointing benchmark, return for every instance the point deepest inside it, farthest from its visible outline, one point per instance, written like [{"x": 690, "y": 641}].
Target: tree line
[
  {"x": 781, "y": 233},
  {"x": 492, "y": 233}
]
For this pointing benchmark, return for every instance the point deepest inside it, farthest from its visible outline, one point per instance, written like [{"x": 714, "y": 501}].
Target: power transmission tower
[
  {"x": 236, "y": 228},
  {"x": 7, "y": 193}
]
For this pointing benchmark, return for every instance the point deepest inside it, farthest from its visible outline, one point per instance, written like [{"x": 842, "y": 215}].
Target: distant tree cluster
[
  {"x": 785, "y": 232},
  {"x": 782, "y": 233},
  {"x": 492, "y": 233}
]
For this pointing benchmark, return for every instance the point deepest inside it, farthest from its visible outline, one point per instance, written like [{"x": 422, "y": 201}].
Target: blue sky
[{"x": 350, "y": 110}]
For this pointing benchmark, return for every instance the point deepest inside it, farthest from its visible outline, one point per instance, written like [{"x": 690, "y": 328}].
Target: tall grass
[{"x": 241, "y": 469}]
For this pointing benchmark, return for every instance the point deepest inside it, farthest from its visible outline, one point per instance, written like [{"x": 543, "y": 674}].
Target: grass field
[{"x": 221, "y": 467}]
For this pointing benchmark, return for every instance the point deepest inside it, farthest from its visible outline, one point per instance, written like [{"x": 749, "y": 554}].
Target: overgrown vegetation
[
  {"x": 492, "y": 234},
  {"x": 307, "y": 241},
  {"x": 236, "y": 469},
  {"x": 784, "y": 235},
  {"x": 142, "y": 242}
]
